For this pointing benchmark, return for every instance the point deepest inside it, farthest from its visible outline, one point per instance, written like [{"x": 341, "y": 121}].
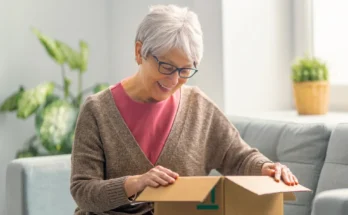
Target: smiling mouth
[{"x": 161, "y": 85}]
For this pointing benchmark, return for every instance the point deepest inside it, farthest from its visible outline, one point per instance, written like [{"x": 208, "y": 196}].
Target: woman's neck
[{"x": 135, "y": 89}]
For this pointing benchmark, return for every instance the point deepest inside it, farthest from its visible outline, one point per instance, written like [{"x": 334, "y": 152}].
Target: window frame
[{"x": 303, "y": 43}]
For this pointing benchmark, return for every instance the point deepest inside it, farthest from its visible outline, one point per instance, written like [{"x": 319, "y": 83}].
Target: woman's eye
[
  {"x": 168, "y": 67},
  {"x": 185, "y": 71}
]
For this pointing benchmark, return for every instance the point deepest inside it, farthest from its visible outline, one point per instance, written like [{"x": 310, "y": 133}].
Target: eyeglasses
[{"x": 168, "y": 69}]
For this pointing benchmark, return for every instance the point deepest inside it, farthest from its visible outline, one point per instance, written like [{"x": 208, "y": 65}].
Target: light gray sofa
[{"x": 316, "y": 153}]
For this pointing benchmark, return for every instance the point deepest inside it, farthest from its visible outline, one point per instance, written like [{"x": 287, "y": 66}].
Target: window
[{"x": 330, "y": 37}]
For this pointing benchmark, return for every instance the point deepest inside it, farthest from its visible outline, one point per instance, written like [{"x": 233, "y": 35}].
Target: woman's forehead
[{"x": 177, "y": 57}]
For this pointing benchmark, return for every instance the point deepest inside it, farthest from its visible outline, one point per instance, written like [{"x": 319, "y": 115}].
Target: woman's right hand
[{"x": 157, "y": 176}]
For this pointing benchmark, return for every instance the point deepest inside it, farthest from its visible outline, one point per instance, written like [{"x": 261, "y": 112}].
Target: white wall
[
  {"x": 257, "y": 53},
  {"x": 210, "y": 77},
  {"x": 260, "y": 51},
  {"x": 24, "y": 61},
  {"x": 126, "y": 19},
  {"x": 109, "y": 27}
]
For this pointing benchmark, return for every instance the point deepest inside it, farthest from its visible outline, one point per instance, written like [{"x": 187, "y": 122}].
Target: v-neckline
[{"x": 134, "y": 150}]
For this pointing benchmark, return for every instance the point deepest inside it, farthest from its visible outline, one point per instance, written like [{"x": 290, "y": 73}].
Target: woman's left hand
[{"x": 279, "y": 171}]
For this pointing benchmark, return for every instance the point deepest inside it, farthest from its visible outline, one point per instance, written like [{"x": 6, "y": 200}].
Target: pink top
[{"x": 150, "y": 123}]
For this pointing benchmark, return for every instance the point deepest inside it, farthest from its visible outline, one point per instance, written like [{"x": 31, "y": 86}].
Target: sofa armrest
[
  {"x": 332, "y": 202},
  {"x": 39, "y": 185}
]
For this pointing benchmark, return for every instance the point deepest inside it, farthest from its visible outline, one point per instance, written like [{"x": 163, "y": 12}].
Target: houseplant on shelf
[
  {"x": 55, "y": 113},
  {"x": 310, "y": 85}
]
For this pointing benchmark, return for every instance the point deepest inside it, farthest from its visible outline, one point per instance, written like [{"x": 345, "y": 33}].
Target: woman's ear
[{"x": 138, "y": 57}]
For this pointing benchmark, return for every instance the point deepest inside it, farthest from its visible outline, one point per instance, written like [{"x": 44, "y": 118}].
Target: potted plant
[
  {"x": 55, "y": 112},
  {"x": 310, "y": 86}
]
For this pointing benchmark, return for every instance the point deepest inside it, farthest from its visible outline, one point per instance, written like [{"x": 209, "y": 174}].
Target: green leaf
[
  {"x": 51, "y": 98},
  {"x": 11, "y": 103},
  {"x": 51, "y": 46},
  {"x": 309, "y": 69},
  {"x": 31, "y": 99},
  {"x": 30, "y": 151},
  {"x": 84, "y": 56},
  {"x": 100, "y": 87},
  {"x": 67, "y": 83},
  {"x": 55, "y": 124},
  {"x": 26, "y": 153},
  {"x": 66, "y": 147},
  {"x": 71, "y": 56},
  {"x": 62, "y": 53}
]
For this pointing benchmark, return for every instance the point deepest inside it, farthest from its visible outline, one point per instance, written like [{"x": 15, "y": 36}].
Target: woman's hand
[
  {"x": 157, "y": 176},
  {"x": 279, "y": 171}
]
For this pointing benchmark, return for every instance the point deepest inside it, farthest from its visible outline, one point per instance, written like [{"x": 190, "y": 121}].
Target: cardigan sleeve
[
  {"x": 88, "y": 187},
  {"x": 232, "y": 154}
]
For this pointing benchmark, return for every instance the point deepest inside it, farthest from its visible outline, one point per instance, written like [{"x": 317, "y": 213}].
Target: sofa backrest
[
  {"x": 302, "y": 147},
  {"x": 334, "y": 174},
  {"x": 38, "y": 186}
]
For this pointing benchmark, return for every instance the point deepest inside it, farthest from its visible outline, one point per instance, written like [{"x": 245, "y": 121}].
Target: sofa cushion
[
  {"x": 38, "y": 186},
  {"x": 302, "y": 147},
  {"x": 334, "y": 174}
]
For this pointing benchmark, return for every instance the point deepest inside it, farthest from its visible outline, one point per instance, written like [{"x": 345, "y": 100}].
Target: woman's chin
[{"x": 160, "y": 93}]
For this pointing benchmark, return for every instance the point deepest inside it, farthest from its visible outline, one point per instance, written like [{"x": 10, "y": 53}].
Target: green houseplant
[
  {"x": 310, "y": 85},
  {"x": 53, "y": 105}
]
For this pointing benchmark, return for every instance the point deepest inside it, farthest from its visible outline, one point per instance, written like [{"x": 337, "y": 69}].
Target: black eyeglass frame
[{"x": 176, "y": 68}]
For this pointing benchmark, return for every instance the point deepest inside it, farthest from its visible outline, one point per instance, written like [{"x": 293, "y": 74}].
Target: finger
[
  {"x": 278, "y": 172},
  {"x": 285, "y": 176},
  {"x": 292, "y": 177},
  {"x": 289, "y": 175},
  {"x": 268, "y": 169},
  {"x": 270, "y": 172},
  {"x": 164, "y": 176},
  {"x": 292, "y": 181},
  {"x": 159, "y": 180},
  {"x": 295, "y": 179},
  {"x": 152, "y": 183},
  {"x": 168, "y": 172}
]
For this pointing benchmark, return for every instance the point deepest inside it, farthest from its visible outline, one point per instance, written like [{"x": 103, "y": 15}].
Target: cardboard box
[{"x": 221, "y": 195}]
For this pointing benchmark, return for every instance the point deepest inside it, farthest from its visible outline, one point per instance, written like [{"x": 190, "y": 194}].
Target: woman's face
[{"x": 159, "y": 86}]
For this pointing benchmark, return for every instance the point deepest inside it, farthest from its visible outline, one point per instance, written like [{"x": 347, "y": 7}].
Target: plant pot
[{"x": 311, "y": 97}]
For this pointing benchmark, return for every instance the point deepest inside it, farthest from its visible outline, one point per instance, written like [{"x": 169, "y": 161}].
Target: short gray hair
[{"x": 167, "y": 27}]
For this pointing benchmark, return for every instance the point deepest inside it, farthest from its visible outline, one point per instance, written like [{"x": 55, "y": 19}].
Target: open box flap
[
  {"x": 184, "y": 189},
  {"x": 262, "y": 185},
  {"x": 289, "y": 196}
]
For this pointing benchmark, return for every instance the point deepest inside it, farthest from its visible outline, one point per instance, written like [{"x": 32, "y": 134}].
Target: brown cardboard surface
[
  {"x": 184, "y": 208},
  {"x": 262, "y": 185},
  {"x": 289, "y": 197},
  {"x": 238, "y": 201},
  {"x": 212, "y": 205},
  {"x": 184, "y": 189},
  {"x": 221, "y": 195}
]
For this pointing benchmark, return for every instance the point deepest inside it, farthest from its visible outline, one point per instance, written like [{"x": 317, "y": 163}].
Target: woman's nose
[{"x": 174, "y": 77}]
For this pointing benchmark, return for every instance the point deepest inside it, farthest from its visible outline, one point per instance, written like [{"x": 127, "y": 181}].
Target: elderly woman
[{"x": 150, "y": 128}]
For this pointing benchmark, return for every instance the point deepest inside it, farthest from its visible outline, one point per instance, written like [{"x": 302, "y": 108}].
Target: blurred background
[{"x": 249, "y": 49}]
